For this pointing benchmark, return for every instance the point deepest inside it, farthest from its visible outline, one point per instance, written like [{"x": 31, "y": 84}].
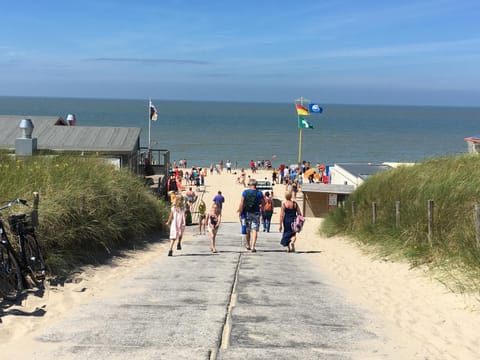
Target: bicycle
[
  {"x": 27, "y": 266},
  {"x": 11, "y": 278}
]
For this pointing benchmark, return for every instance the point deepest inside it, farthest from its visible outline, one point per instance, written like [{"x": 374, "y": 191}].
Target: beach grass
[
  {"x": 450, "y": 251},
  {"x": 88, "y": 208}
]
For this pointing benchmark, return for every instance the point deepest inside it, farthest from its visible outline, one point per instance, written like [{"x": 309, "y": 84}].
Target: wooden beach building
[
  {"x": 120, "y": 145},
  {"x": 319, "y": 198}
]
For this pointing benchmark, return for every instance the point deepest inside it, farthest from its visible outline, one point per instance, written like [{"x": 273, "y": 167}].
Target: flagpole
[
  {"x": 300, "y": 147},
  {"x": 299, "y": 137},
  {"x": 149, "y": 123}
]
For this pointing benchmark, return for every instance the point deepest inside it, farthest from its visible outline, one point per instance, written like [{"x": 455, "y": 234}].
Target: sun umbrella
[{"x": 309, "y": 172}]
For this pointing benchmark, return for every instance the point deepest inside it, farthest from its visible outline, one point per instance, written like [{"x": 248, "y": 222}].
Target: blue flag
[{"x": 314, "y": 108}]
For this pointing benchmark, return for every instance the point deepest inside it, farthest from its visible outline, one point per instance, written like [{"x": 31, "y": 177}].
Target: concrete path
[{"x": 231, "y": 305}]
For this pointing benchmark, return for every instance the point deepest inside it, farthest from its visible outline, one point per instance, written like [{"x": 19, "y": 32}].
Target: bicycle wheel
[
  {"x": 33, "y": 258},
  {"x": 11, "y": 280}
]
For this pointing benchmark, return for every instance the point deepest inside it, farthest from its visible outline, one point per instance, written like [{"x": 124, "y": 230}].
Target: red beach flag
[{"x": 302, "y": 110}]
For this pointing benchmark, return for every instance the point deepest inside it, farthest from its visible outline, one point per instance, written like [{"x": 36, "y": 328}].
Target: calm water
[{"x": 205, "y": 132}]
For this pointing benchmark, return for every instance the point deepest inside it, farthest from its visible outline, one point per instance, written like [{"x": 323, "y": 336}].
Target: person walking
[
  {"x": 251, "y": 203},
  {"x": 202, "y": 214},
  {"x": 267, "y": 211},
  {"x": 288, "y": 213},
  {"x": 213, "y": 220},
  {"x": 219, "y": 199},
  {"x": 191, "y": 198},
  {"x": 177, "y": 223}
]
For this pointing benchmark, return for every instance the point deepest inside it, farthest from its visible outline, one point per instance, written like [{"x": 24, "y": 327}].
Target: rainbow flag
[{"x": 302, "y": 110}]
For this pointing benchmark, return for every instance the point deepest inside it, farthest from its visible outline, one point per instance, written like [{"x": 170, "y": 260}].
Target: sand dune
[{"x": 409, "y": 303}]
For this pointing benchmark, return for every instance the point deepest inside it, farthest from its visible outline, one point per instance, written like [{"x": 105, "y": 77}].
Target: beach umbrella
[{"x": 309, "y": 172}]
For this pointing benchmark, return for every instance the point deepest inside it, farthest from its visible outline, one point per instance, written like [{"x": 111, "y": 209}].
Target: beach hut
[
  {"x": 473, "y": 143},
  {"x": 119, "y": 145},
  {"x": 321, "y": 198}
]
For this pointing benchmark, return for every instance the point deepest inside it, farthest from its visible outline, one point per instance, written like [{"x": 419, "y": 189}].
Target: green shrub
[
  {"x": 453, "y": 183},
  {"x": 88, "y": 208}
]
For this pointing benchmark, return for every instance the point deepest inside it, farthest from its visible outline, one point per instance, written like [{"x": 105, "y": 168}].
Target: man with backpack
[{"x": 251, "y": 204}]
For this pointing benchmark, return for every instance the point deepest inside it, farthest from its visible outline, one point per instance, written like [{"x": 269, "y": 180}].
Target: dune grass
[
  {"x": 453, "y": 183},
  {"x": 88, "y": 208}
]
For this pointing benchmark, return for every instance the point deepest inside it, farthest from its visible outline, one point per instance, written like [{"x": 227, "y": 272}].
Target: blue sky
[{"x": 416, "y": 52}]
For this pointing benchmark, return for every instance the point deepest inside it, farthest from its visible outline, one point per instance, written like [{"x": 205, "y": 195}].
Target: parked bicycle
[{"x": 21, "y": 263}]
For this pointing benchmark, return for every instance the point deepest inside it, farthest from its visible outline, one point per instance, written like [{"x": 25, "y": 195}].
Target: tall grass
[
  {"x": 453, "y": 183},
  {"x": 88, "y": 208}
]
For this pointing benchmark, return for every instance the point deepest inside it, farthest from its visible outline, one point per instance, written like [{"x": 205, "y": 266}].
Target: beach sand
[{"x": 412, "y": 307}]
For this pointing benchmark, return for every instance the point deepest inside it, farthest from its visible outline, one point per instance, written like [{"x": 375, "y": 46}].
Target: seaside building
[
  {"x": 320, "y": 198},
  {"x": 473, "y": 143},
  {"x": 52, "y": 134}
]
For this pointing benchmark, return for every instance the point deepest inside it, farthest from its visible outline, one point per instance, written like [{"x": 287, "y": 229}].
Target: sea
[{"x": 208, "y": 132}]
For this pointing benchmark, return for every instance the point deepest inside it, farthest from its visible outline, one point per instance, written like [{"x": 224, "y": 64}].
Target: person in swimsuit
[
  {"x": 213, "y": 220},
  {"x": 191, "y": 198}
]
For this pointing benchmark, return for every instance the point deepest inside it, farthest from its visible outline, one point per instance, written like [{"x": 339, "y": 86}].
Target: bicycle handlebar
[{"x": 13, "y": 202}]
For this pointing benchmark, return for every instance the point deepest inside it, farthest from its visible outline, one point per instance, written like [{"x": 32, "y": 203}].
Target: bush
[
  {"x": 88, "y": 208},
  {"x": 454, "y": 185}
]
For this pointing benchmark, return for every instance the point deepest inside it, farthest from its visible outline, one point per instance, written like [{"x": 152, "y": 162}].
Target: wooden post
[
  {"x": 397, "y": 213},
  {"x": 477, "y": 225},
  {"x": 430, "y": 221},
  {"x": 34, "y": 213},
  {"x": 353, "y": 208},
  {"x": 374, "y": 212}
]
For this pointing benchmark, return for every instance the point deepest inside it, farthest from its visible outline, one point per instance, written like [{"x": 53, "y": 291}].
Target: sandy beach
[{"x": 413, "y": 307}]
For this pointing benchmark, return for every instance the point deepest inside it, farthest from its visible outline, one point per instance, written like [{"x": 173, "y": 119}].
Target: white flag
[{"x": 153, "y": 112}]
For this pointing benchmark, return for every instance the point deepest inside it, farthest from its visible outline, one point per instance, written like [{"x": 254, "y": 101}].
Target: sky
[{"x": 410, "y": 52}]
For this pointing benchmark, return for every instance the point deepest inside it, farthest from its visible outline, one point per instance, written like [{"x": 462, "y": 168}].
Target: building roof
[
  {"x": 70, "y": 138},
  {"x": 473, "y": 139},
  {"x": 363, "y": 171},
  {"x": 328, "y": 188}
]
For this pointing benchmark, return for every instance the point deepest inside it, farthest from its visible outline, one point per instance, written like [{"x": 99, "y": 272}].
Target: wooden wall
[{"x": 315, "y": 204}]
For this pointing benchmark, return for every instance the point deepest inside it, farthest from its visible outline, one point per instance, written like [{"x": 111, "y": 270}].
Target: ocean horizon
[{"x": 205, "y": 132}]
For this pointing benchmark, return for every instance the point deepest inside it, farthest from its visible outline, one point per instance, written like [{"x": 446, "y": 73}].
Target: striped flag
[
  {"x": 301, "y": 110},
  {"x": 153, "y": 111}
]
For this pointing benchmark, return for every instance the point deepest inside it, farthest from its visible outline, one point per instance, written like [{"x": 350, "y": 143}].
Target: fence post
[
  {"x": 374, "y": 212},
  {"x": 353, "y": 208},
  {"x": 34, "y": 213},
  {"x": 397, "y": 213},
  {"x": 430, "y": 221},
  {"x": 477, "y": 225}
]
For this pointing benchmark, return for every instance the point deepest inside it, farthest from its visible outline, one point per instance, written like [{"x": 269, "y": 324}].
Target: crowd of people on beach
[{"x": 255, "y": 208}]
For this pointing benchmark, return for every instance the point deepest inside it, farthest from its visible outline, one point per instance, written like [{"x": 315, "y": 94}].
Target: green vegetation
[
  {"x": 88, "y": 208},
  {"x": 453, "y": 183}
]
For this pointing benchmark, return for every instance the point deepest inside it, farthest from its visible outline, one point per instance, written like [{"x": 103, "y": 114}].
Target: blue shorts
[{"x": 252, "y": 221}]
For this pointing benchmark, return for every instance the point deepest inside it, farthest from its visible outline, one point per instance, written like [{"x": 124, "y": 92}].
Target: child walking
[
  {"x": 177, "y": 221},
  {"x": 214, "y": 218}
]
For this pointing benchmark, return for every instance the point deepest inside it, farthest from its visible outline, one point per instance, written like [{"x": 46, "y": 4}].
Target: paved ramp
[{"x": 231, "y": 305}]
